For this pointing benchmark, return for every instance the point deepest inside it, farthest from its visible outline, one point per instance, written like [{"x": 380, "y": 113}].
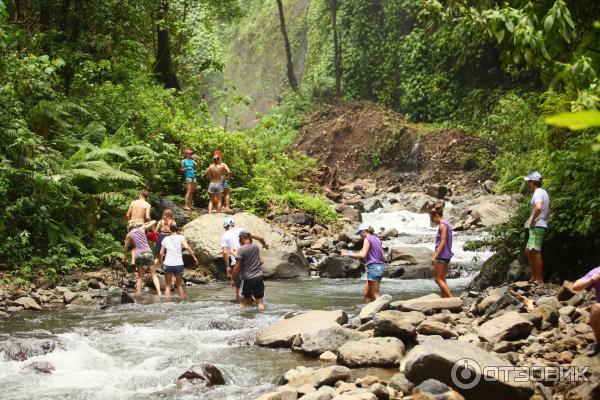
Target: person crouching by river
[
  {"x": 443, "y": 250},
  {"x": 372, "y": 253},
  {"x": 143, "y": 254},
  {"x": 248, "y": 263},
  {"x": 171, "y": 257},
  {"x": 589, "y": 281}
]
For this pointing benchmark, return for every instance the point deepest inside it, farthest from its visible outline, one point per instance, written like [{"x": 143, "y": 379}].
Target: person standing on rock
[
  {"x": 171, "y": 257},
  {"x": 226, "y": 185},
  {"x": 443, "y": 250},
  {"x": 537, "y": 225},
  {"x": 230, "y": 243},
  {"x": 143, "y": 254},
  {"x": 372, "y": 253},
  {"x": 139, "y": 213},
  {"x": 587, "y": 282},
  {"x": 188, "y": 167},
  {"x": 216, "y": 173},
  {"x": 248, "y": 264}
]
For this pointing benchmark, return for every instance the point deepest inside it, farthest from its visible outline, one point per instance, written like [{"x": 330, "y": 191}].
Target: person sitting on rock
[
  {"x": 443, "y": 250},
  {"x": 230, "y": 243},
  {"x": 589, "y": 281},
  {"x": 248, "y": 264},
  {"x": 372, "y": 253}
]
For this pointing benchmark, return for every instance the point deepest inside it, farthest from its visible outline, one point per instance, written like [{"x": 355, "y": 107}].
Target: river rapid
[{"x": 137, "y": 351}]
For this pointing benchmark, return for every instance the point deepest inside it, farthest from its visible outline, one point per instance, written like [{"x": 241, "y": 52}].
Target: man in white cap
[
  {"x": 537, "y": 224},
  {"x": 230, "y": 243}
]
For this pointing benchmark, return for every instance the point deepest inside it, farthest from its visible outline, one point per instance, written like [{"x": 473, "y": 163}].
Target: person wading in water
[
  {"x": 248, "y": 264},
  {"x": 143, "y": 254},
  {"x": 443, "y": 250},
  {"x": 138, "y": 213},
  {"x": 372, "y": 253}
]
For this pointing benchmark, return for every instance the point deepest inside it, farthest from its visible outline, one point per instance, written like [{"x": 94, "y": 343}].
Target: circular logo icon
[{"x": 465, "y": 373}]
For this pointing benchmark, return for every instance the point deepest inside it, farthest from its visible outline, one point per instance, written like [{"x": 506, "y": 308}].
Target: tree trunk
[
  {"x": 288, "y": 50},
  {"x": 337, "y": 53},
  {"x": 163, "y": 67}
]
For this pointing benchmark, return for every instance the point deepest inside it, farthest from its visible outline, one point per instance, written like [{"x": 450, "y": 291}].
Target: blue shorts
[
  {"x": 173, "y": 269},
  {"x": 375, "y": 272},
  {"x": 443, "y": 260},
  {"x": 225, "y": 185}
]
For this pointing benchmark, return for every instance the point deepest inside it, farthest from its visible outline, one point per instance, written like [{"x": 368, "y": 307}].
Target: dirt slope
[{"x": 365, "y": 140}]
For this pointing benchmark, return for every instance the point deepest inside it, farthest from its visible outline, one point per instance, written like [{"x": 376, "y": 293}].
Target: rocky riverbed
[{"x": 430, "y": 340}]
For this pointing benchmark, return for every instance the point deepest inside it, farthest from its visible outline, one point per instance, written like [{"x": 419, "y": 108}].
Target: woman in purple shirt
[
  {"x": 144, "y": 258},
  {"x": 443, "y": 250},
  {"x": 372, "y": 253}
]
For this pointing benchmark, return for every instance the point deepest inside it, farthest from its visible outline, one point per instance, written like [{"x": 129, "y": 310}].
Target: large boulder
[
  {"x": 203, "y": 374},
  {"x": 328, "y": 339},
  {"x": 510, "y": 326},
  {"x": 341, "y": 267},
  {"x": 397, "y": 324},
  {"x": 409, "y": 262},
  {"x": 28, "y": 303},
  {"x": 116, "y": 295},
  {"x": 371, "y": 352},
  {"x": 429, "y": 304},
  {"x": 452, "y": 360},
  {"x": 283, "y": 332},
  {"x": 283, "y": 260}
]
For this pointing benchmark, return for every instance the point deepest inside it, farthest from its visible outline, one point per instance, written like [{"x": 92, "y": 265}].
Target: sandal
[{"x": 593, "y": 349}]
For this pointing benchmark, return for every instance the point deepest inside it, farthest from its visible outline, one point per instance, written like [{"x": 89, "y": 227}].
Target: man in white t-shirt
[
  {"x": 537, "y": 225},
  {"x": 230, "y": 243}
]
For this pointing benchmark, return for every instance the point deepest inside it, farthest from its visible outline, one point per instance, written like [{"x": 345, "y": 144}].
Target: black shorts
[{"x": 252, "y": 287}]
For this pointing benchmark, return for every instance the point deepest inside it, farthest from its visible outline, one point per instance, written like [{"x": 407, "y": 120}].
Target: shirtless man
[
  {"x": 216, "y": 173},
  {"x": 138, "y": 212},
  {"x": 226, "y": 186}
]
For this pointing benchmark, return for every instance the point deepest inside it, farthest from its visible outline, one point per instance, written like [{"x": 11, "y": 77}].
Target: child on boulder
[
  {"x": 443, "y": 250},
  {"x": 589, "y": 281},
  {"x": 188, "y": 167},
  {"x": 372, "y": 253}
]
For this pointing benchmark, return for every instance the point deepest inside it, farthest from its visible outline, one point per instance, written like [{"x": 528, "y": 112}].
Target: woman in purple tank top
[
  {"x": 144, "y": 258},
  {"x": 372, "y": 253},
  {"x": 443, "y": 250}
]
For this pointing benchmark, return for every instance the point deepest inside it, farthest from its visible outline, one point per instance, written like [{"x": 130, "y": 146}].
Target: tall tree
[
  {"x": 288, "y": 49},
  {"x": 337, "y": 50},
  {"x": 163, "y": 67}
]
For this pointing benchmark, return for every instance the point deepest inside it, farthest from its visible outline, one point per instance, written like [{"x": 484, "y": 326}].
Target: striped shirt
[{"x": 140, "y": 241}]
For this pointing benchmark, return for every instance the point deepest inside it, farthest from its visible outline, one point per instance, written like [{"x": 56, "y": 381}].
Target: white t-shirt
[
  {"x": 231, "y": 240},
  {"x": 173, "y": 248},
  {"x": 541, "y": 195}
]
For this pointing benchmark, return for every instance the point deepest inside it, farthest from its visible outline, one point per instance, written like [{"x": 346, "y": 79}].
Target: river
[{"x": 137, "y": 351}]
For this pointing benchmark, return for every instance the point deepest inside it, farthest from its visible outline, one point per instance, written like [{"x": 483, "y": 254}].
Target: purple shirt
[
  {"x": 375, "y": 254},
  {"x": 595, "y": 285},
  {"x": 446, "y": 252},
  {"x": 140, "y": 241}
]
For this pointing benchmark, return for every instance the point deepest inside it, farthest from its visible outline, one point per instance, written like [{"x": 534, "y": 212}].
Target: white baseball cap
[
  {"x": 228, "y": 222},
  {"x": 362, "y": 227},
  {"x": 534, "y": 176}
]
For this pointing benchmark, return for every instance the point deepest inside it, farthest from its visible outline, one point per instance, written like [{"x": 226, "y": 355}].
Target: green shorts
[{"x": 536, "y": 237}]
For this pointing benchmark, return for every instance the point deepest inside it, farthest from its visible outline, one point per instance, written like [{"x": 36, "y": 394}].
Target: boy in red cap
[{"x": 188, "y": 167}]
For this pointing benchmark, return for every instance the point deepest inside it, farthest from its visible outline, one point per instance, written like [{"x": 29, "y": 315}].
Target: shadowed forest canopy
[{"x": 99, "y": 99}]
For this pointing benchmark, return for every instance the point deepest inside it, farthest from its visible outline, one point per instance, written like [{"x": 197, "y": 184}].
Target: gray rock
[
  {"x": 283, "y": 332},
  {"x": 510, "y": 326},
  {"x": 341, "y": 267},
  {"x": 372, "y": 204},
  {"x": 429, "y": 327},
  {"x": 284, "y": 259},
  {"x": 401, "y": 384},
  {"x": 437, "y": 191},
  {"x": 316, "y": 377},
  {"x": 435, "y": 359},
  {"x": 371, "y": 352},
  {"x": 429, "y": 304},
  {"x": 159, "y": 205},
  {"x": 28, "y": 303},
  {"x": 296, "y": 219},
  {"x": 369, "y": 310},
  {"x": 282, "y": 394},
  {"x": 22, "y": 350},
  {"x": 318, "y": 395},
  {"x": 388, "y": 233},
  {"x": 117, "y": 295},
  {"x": 69, "y": 296},
  {"x": 203, "y": 374},
  {"x": 397, "y": 324},
  {"x": 328, "y": 339}
]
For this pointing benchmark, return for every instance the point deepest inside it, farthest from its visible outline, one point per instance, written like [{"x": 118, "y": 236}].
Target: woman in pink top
[{"x": 143, "y": 254}]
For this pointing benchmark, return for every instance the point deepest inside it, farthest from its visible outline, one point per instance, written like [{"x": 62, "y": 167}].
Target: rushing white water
[{"x": 137, "y": 351}]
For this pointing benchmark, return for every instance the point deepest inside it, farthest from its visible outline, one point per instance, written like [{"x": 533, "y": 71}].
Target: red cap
[
  {"x": 217, "y": 152},
  {"x": 187, "y": 151}
]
